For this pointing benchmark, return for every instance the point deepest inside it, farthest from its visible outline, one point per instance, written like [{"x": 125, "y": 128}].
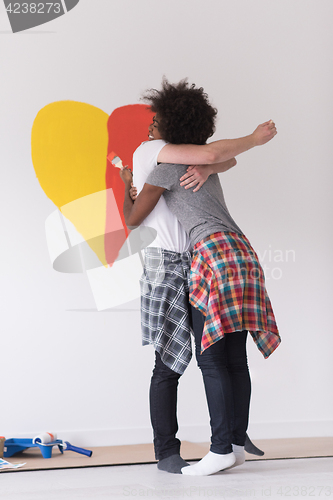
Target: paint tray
[{"x": 13, "y": 446}]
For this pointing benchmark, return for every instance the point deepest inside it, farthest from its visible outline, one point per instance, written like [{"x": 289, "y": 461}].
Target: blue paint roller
[{"x": 50, "y": 439}]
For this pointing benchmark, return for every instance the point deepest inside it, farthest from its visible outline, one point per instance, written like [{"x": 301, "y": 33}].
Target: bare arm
[
  {"x": 197, "y": 175},
  {"x": 136, "y": 211},
  {"x": 218, "y": 151}
]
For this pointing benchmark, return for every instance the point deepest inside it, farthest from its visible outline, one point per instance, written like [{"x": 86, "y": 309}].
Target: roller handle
[{"x": 68, "y": 446}]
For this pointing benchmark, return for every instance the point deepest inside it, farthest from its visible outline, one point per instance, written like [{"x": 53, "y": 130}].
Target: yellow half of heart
[{"x": 69, "y": 143}]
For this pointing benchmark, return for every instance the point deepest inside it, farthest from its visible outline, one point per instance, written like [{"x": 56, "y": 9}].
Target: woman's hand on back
[{"x": 196, "y": 176}]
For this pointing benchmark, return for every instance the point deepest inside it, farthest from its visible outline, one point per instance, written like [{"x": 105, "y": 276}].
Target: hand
[
  {"x": 264, "y": 133},
  {"x": 127, "y": 176},
  {"x": 133, "y": 192},
  {"x": 196, "y": 175}
]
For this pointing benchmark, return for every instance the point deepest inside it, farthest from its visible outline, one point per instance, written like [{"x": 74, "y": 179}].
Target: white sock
[
  {"x": 210, "y": 464},
  {"x": 239, "y": 454}
]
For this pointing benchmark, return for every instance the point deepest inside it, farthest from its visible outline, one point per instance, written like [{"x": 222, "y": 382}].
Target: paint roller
[
  {"x": 50, "y": 439},
  {"x": 65, "y": 445},
  {"x": 45, "y": 438}
]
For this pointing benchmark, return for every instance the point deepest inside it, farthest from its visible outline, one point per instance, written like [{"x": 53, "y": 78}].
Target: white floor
[{"x": 273, "y": 479}]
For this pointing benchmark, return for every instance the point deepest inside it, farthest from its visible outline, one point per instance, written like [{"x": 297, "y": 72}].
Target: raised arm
[
  {"x": 218, "y": 151},
  {"x": 136, "y": 211}
]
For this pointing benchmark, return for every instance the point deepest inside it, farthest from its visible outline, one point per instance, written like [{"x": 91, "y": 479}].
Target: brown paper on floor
[{"x": 144, "y": 453}]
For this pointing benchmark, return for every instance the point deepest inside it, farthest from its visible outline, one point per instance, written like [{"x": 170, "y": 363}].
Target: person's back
[
  {"x": 225, "y": 308},
  {"x": 201, "y": 213}
]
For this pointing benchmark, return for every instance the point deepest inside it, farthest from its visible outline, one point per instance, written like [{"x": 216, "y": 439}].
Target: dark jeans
[
  {"x": 163, "y": 409},
  {"x": 228, "y": 389},
  {"x": 227, "y": 385}
]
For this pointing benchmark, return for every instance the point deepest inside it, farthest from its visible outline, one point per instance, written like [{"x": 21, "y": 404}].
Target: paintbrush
[{"x": 115, "y": 160}]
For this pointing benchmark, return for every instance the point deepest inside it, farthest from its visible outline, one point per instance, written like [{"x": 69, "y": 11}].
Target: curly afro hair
[{"x": 185, "y": 114}]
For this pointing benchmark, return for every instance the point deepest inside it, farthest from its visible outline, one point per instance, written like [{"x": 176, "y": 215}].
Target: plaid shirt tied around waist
[
  {"x": 227, "y": 285},
  {"x": 165, "y": 321}
]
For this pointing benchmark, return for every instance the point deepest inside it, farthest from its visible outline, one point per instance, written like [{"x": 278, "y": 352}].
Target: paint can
[{"x": 2, "y": 443}]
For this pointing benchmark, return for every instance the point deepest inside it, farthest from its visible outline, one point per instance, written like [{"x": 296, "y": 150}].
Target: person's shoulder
[
  {"x": 150, "y": 147},
  {"x": 173, "y": 168},
  {"x": 171, "y": 171},
  {"x": 170, "y": 166},
  {"x": 139, "y": 148},
  {"x": 164, "y": 175}
]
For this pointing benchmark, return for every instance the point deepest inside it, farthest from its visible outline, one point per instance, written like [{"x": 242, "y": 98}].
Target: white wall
[{"x": 83, "y": 373}]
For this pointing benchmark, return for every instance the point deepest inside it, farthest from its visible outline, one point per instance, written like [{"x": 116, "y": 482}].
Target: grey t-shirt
[{"x": 201, "y": 213}]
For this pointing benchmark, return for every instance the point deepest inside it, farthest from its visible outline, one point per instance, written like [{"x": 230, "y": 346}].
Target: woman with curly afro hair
[
  {"x": 186, "y": 116},
  {"x": 227, "y": 290}
]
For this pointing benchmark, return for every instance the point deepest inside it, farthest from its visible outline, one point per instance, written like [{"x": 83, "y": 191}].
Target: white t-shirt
[{"x": 170, "y": 233}]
